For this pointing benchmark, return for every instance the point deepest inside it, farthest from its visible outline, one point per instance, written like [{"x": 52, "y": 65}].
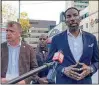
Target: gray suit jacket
[{"x": 27, "y": 60}]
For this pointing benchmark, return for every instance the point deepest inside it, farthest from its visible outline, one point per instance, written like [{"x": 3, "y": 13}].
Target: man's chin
[
  {"x": 73, "y": 28},
  {"x": 9, "y": 40}
]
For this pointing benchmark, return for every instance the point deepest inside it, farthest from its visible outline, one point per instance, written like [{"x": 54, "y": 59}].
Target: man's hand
[
  {"x": 86, "y": 70},
  {"x": 70, "y": 71},
  {"x": 43, "y": 80}
]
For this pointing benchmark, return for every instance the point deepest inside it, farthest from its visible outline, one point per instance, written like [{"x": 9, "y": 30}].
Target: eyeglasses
[{"x": 42, "y": 39}]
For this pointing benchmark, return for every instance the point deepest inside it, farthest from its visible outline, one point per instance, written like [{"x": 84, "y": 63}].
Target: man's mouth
[
  {"x": 8, "y": 37},
  {"x": 73, "y": 24}
]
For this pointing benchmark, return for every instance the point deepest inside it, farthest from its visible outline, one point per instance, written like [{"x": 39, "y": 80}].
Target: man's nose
[
  {"x": 8, "y": 32},
  {"x": 72, "y": 18}
]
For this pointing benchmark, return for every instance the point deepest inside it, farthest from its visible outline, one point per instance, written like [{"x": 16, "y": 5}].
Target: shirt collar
[
  {"x": 16, "y": 46},
  {"x": 80, "y": 33}
]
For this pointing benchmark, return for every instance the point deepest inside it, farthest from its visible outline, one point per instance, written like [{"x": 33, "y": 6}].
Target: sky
[
  {"x": 40, "y": 10},
  {"x": 43, "y": 10}
]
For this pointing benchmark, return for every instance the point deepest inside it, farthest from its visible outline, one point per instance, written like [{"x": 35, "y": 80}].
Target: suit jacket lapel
[
  {"x": 71, "y": 58},
  {"x": 21, "y": 58},
  {"x": 22, "y": 49},
  {"x": 84, "y": 45}
]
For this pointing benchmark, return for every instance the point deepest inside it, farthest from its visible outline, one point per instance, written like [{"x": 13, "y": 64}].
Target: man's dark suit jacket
[
  {"x": 90, "y": 56},
  {"x": 27, "y": 60},
  {"x": 41, "y": 59}
]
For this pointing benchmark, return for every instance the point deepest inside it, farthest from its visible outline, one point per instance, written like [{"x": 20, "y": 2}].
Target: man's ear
[
  {"x": 64, "y": 15},
  {"x": 19, "y": 35}
]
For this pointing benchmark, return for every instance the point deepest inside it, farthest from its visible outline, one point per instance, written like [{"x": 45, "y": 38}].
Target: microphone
[{"x": 58, "y": 58}]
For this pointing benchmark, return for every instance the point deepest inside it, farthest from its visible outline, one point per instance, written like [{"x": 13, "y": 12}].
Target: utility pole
[
  {"x": 0, "y": 11},
  {"x": 19, "y": 10},
  {"x": 0, "y": 31}
]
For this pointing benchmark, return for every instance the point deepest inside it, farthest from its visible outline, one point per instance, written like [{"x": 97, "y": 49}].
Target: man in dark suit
[
  {"x": 17, "y": 57},
  {"x": 80, "y": 50}
]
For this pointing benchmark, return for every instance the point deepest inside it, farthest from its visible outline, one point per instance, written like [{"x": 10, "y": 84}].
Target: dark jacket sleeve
[{"x": 95, "y": 57}]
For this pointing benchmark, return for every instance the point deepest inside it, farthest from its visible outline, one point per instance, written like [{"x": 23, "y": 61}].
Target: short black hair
[{"x": 71, "y": 8}]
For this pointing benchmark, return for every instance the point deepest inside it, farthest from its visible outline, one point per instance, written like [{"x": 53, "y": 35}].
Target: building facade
[
  {"x": 90, "y": 19},
  {"x": 38, "y": 27},
  {"x": 77, "y": 3},
  {"x": 81, "y": 4}
]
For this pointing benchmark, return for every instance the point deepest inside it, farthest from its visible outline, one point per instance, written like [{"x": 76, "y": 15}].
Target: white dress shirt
[{"x": 76, "y": 45}]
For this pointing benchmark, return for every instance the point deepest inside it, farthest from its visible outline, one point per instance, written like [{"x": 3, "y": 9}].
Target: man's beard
[{"x": 73, "y": 28}]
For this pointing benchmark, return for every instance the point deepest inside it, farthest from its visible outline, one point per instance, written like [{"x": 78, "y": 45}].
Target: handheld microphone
[{"x": 58, "y": 58}]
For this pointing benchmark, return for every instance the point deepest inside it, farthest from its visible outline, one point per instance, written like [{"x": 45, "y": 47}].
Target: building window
[
  {"x": 34, "y": 36},
  {"x": 86, "y": 15},
  {"x": 81, "y": 27},
  {"x": 31, "y": 42},
  {"x": 86, "y": 25},
  {"x": 33, "y": 22},
  {"x": 33, "y": 31}
]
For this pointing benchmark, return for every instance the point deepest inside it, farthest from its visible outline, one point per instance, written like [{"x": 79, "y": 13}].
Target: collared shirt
[
  {"x": 76, "y": 45},
  {"x": 13, "y": 64}
]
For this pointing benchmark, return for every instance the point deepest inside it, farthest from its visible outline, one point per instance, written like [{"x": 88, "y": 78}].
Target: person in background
[
  {"x": 80, "y": 50},
  {"x": 41, "y": 55}
]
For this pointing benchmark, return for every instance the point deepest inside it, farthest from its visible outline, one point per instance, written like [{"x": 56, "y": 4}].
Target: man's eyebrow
[
  {"x": 76, "y": 13},
  {"x": 68, "y": 15}
]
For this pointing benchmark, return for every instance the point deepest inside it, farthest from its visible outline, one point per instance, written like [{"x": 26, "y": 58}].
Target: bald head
[{"x": 43, "y": 36}]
